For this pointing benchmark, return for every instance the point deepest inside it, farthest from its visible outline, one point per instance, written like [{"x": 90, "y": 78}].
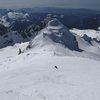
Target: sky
[{"x": 92, "y": 4}]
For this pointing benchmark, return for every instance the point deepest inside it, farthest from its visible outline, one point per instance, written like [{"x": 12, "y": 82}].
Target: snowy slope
[{"x": 32, "y": 75}]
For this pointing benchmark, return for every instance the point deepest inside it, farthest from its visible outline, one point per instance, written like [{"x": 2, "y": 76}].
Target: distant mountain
[
  {"x": 57, "y": 38},
  {"x": 28, "y": 22},
  {"x": 55, "y": 32}
]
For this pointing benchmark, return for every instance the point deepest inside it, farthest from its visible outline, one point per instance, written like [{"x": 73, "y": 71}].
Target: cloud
[{"x": 47, "y": 3}]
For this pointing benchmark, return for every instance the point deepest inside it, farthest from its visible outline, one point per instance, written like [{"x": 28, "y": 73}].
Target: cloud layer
[{"x": 95, "y": 4}]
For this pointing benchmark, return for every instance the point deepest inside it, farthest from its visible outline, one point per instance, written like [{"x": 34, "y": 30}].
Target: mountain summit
[{"x": 56, "y": 33}]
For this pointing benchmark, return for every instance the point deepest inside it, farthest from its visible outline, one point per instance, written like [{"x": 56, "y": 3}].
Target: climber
[
  {"x": 56, "y": 67},
  {"x": 19, "y": 51}
]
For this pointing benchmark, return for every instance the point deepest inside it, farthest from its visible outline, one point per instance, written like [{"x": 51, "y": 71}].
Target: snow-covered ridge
[
  {"x": 3, "y": 21},
  {"x": 89, "y": 32},
  {"x": 57, "y": 38},
  {"x": 55, "y": 32},
  {"x": 7, "y": 19},
  {"x": 15, "y": 15}
]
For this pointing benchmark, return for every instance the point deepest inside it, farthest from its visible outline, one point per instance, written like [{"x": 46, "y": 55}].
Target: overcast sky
[{"x": 94, "y": 4}]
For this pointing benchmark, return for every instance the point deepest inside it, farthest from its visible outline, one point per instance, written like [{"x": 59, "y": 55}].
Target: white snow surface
[{"x": 32, "y": 76}]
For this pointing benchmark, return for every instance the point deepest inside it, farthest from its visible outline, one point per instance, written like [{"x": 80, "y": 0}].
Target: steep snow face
[{"x": 56, "y": 33}]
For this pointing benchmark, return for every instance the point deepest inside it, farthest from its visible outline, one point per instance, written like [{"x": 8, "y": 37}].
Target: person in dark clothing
[
  {"x": 56, "y": 67},
  {"x": 19, "y": 51},
  {"x": 28, "y": 47}
]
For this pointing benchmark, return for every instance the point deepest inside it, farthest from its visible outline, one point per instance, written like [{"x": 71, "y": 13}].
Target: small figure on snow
[
  {"x": 28, "y": 47},
  {"x": 56, "y": 67},
  {"x": 19, "y": 51}
]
